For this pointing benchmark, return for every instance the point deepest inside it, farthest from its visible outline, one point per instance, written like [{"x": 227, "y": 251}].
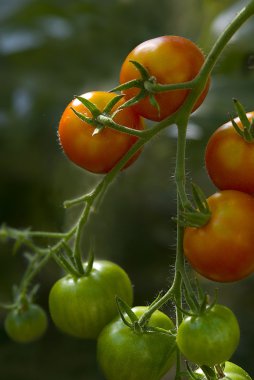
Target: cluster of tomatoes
[
  {"x": 85, "y": 306},
  {"x": 169, "y": 59},
  {"x": 222, "y": 250}
]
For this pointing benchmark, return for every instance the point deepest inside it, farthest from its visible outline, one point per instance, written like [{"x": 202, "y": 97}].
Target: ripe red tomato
[
  {"x": 27, "y": 324},
  {"x": 222, "y": 250},
  {"x": 82, "y": 306},
  {"x": 101, "y": 152},
  {"x": 230, "y": 159},
  {"x": 209, "y": 338},
  {"x": 125, "y": 354},
  {"x": 170, "y": 59}
]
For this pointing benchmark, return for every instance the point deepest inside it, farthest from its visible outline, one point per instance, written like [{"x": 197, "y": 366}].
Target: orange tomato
[
  {"x": 170, "y": 59},
  {"x": 223, "y": 249},
  {"x": 230, "y": 158},
  {"x": 97, "y": 153}
]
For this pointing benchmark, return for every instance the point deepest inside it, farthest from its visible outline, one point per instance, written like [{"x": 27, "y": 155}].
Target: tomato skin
[
  {"x": 170, "y": 59},
  {"x": 231, "y": 372},
  {"x": 26, "y": 325},
  {"x": 81, "y": 307},
  {"x": 230, "y": 159},
  {"x": 222, "y": 250},
  {"x": 101, "y": 152},
  {"x": 210, "y": 338},
  {"x": 127, "y": 355}
]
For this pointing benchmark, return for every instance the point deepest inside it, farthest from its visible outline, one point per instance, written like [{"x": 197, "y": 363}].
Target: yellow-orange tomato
[
  {"x": 97, "y": 153},
  {"x": 230, "y": 159},
  {"x": 223, "y": 249},
  {"x": 170, "y": 59}
]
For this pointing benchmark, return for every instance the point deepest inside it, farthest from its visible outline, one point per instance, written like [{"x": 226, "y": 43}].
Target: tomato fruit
[
  {"x": 129, "y": 355},
  {"x": 231, "y": 372},
  {"x": 209, "y": 338},
  {"x": 222, "y": 250},
  {"x": 26, "y": 324},
  {"x": 97, "y": 153},
  {"x": 170, "y": 59},
  {"x": 230, "y": 158},
  {"x": 82, "y": 306}
]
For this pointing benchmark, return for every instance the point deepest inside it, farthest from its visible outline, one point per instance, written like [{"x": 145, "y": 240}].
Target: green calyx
[
  {"x": 104, "y": 118},
  {"x": 247, "y": 132},
  {"x": 137, "y": 324},
  {"x": 145, "y": 84},
  {"x": 198, "y": 214}
]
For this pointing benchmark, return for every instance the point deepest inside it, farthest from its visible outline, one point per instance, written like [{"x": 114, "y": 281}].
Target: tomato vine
[{"x": 65, "y": 249}]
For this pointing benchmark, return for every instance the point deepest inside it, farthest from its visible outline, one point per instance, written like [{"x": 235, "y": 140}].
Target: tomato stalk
[{"x": 89, "y": 200}]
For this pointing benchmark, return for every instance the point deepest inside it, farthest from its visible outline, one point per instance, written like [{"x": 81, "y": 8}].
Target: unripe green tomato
[
  {"x": 125, "y": 354},
  {"x": 82, "y": 306},
  {"x": 209, "y": 338},
  {"x": 27, "y": 324},
  {"x": 231, "y": 372}
]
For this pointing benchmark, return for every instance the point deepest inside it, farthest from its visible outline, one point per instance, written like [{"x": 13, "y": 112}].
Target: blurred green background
[{"x": 51, "y": 50}]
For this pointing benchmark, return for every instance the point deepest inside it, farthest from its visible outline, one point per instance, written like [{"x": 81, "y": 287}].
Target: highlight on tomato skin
[
  {"x": 170, "y": 59},
  {"x": 97, "y": 153},
  {"x": 229, "y": 158},
  {"x": 222, "y": 250}
]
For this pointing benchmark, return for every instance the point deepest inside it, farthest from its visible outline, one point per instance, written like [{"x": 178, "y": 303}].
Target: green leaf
[
  {"x": 84, "y": 118},
  {"x": 199, "y": 198},
  {"x": 209, "y": 372},
  {"x": 143, "y": 71},
  {"x": 130, "y": 84},
  {"x": 154, "y": 103},
  {"x": 112, "y": 103},
  {"x": 89, "y": 105},
  {"x": 90, "y": 262},
  {"x": 141, "y": 95},
  {"x": 123, "y": 309},
  {"x": 241, "y": 113},
  {"x": 98, "y": 130}
]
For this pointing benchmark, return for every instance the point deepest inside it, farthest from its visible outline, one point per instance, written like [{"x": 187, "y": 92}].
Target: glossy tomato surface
[
  {"x": 97, "y": 153},
  {"x": 231, "y": 372},
  {"x": 128, "y": 355},
  {"x": 230, "y": 159},
  {"x": 170, "y": 59},
  {"x": 209, "y": 338},
  {"x": 81, "y": 307},
  {"x": 26, "y": 325},
  {"x": 222, "y": 250}
]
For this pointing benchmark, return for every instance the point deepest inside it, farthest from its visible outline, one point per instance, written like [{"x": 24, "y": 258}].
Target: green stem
[
  {"x": 108, "y": 122},
  {"x": 158, "y": 87},
  {"x": 213, "y": 56},
  {"x": 77, "y": 253},
  {"x": 32, "y": 270}
]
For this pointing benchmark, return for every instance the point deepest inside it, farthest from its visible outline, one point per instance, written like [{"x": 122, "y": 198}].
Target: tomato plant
[
  {"x": 26, "y": 324},
  {"x": 97, "y": 153},
  {"x": 209, "y": 338},
  {"x": 82, "y": 306},
  {"x": 169, "y": 59},
  {"x": 222, "y": 250},
  {"x": 126, "y": 354},
  {"x": 166, "y": 77},
  {"x": 231, "y": 372}
]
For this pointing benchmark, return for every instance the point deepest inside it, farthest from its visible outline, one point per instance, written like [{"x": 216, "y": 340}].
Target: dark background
[{"x": 51, "y": 50}]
